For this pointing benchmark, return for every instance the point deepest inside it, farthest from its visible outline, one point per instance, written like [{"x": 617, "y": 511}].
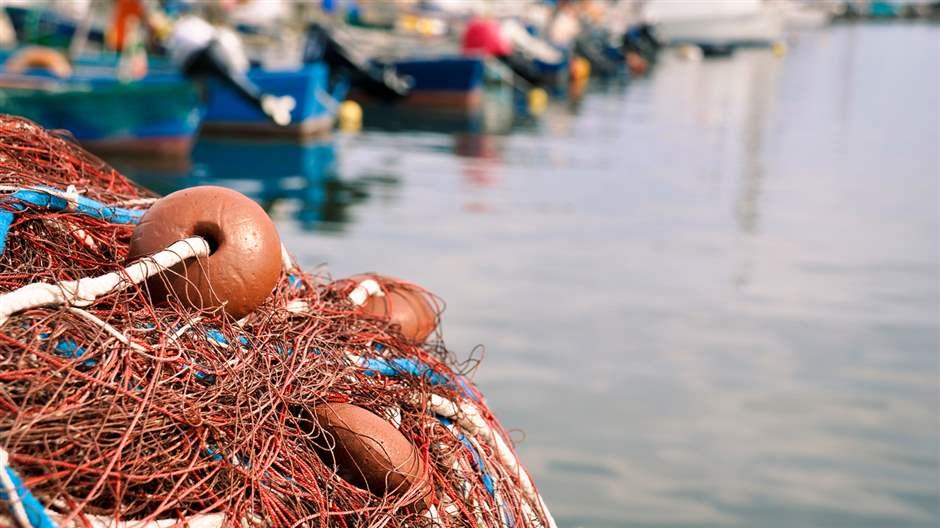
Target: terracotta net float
[{"x": 164, "y": 362}]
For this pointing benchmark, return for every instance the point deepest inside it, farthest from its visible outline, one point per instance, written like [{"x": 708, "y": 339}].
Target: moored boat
[
  {"x": 157, "y": 115},
  {"x": 386, "y": 68},
  {"x": 227, "y": 112},
  {"x": 454, "y": 83},
  {"x": 715, "y": 23}
]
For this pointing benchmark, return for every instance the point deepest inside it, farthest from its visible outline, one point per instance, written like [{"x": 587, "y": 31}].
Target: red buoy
[{"x": 483, "y": 36}]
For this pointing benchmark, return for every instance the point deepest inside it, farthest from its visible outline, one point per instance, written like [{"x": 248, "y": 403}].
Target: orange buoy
[
  {"x": 579, "y": 69},
  {"x": 245, "y": 262},
  {"x": 637, "y": 64},
  {"x": 403, "y": 304},
  {"x": 369, "y": 452},
  {"x": 39, "y": 58}
]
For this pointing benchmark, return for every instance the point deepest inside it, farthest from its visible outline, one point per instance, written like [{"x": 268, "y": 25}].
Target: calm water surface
[{"x": 709, "y": 298}]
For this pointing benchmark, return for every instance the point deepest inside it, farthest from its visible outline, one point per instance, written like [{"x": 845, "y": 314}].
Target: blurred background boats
[
  {"x": 766, "y": 356},
  {"x": 150, "y": 76}
]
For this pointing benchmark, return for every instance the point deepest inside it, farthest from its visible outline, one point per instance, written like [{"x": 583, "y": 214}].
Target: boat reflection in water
[
  {"x": 291, "y": 180},
  {"x": 499, "y": 112}
]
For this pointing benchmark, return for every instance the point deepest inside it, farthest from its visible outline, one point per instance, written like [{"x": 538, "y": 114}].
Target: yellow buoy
[
  {"x": 350, "y": 116},
  {"x": 538, "y": 100},
  {"x": 779, "y": 49},
  {"x": 408, "y": 23},
  {"x": 580, "y": 68},
  {"x": 426, "y": 27}
]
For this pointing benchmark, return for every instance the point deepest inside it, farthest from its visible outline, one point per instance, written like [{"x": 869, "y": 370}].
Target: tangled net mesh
[{"x": 181, "y": 413}]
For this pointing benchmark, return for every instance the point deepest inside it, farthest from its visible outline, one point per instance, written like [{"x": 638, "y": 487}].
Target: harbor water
[{"x": 710, "y": 297}]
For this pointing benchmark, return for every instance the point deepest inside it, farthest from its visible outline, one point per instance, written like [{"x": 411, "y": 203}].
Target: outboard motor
[
  {"x": 336, "y": 49},
  {"x": 202, "y": 51}
]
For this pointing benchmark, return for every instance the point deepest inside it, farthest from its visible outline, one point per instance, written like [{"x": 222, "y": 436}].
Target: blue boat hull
[
  {"x": 446, "y": 83},
  {"x": 314, "y": 113}
]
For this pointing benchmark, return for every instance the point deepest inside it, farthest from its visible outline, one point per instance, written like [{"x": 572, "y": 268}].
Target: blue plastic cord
[
  {"x": 34, "y": 510},
  {"x": 477, "y": 459},
  {"x": 69, "y": 348},
  {"x": 398, "y": 366},
  {"x": 43, "y": 197},
  {"x": 478, "y": 463},
  {"x": 217, "y": 336}
]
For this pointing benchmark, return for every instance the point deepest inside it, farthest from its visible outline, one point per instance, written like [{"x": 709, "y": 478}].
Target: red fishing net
[{"x": 127, "y": 410}]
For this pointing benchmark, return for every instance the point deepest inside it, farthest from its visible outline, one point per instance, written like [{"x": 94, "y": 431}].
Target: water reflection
[
  {"x": 294, "y": 180},
  {"x": 501, "y": 110}
]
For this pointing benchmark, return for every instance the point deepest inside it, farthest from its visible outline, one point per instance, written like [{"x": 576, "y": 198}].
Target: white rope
[
  {"x": 301, "y": 306},
  {"x": 286, "y": 261},
  {"x": 137, "y": 201},
  {"x": 433, "y": 516},
  {"x": 71, "y": 196},
  {"x": 211, "y": 520},
  {"x": 84, "y": 292},
  {"x": 108, "y": 328},
  {"x": 364, "y": 290},
  {"x": 137, "y": 347},
  {"x": 78, "y": 233},
  {"x": 19, "y": 512},
  {"x": 183, "y": 329},
  {"x": 297, "y": 306},
  {"x": 468, "y": 417}
]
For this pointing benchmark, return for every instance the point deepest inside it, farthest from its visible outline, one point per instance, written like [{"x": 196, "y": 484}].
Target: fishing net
[{"x": 115, "y": 409}]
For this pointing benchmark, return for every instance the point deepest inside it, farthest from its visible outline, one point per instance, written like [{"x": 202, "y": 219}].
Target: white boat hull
[{"x": 716, "y": 23}]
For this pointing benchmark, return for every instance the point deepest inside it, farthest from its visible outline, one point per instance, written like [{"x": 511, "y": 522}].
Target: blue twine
[
  {"x": 478, "y": 463},
  {"x": 70, "y": 349},
  {"x": 43, "y": 198},
  {"x": 214, "y": 455},
  {"x": 34, "y": 510},
  {"x": 216, "y": 336},
  {"x": 398, "y": 366}
]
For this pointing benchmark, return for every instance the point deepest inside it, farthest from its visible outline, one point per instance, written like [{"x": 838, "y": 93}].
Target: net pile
[{"x": 119, "y": 409}]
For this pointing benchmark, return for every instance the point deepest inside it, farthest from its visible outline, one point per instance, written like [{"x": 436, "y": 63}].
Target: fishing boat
[
  {"x": 156, "y": 115},
  {"x": 314, "y": 111},
  {"x": 715, "y": 23},
  {"x": 386, "y": 68},
  {"x": 443, "y": 82},
  {"x": 37, "y": 25}
]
